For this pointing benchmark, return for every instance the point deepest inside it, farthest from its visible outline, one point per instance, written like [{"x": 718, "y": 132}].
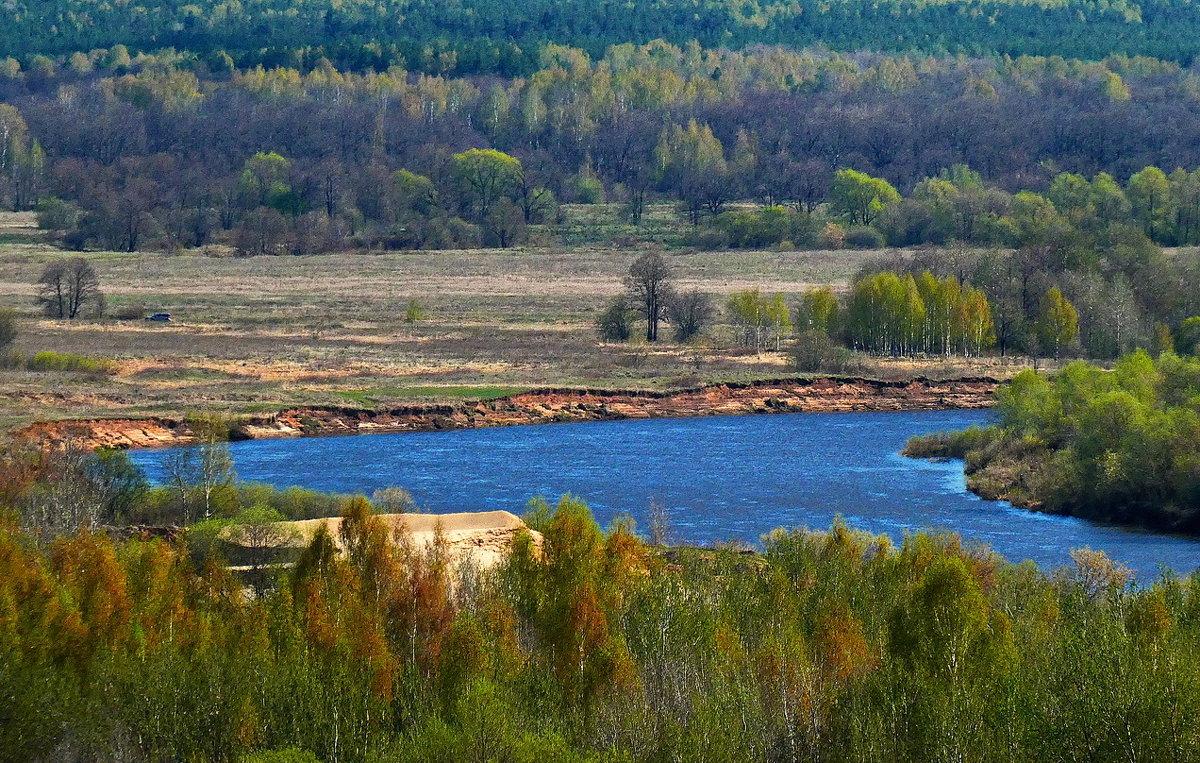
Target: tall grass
[{"x": 70, "y": 362}]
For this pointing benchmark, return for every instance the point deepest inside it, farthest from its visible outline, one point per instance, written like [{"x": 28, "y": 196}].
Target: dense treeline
[
  {"x": 165, "y": 150},
  {"x": 886, "y": 313},
  {"x": 891, "y": 313},
  {"x": 829, "y": 646},
  {"x": 1074, "y": 213},
  {"x": 1117, "y": 446},
  {"x": 505, "y": 37},
  {"x": 1074, "y": 269}
]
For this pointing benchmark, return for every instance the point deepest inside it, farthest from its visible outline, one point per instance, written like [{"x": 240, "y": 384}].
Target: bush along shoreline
[{"x": 1120, "y": 446}]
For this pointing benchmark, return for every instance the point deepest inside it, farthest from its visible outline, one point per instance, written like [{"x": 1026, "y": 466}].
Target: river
[{"x": 721, "y": 477}]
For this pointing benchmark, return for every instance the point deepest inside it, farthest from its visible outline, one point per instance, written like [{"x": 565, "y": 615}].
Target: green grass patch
[
  {"x": 374, "y": 395},
  {"x": 69, "y": 362},
  {"x": 21, "y": 238},
  {"x": 608, "y": 224}
]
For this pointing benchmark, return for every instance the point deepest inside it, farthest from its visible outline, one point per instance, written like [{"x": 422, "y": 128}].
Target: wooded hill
[{"x": 506, "y": 37}]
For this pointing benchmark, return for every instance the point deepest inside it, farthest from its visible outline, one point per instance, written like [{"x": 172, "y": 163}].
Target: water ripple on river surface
[{"x": 722, "y": 477}]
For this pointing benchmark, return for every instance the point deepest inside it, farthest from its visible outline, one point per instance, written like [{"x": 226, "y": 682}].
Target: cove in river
[{"x": 722, "y": 478}]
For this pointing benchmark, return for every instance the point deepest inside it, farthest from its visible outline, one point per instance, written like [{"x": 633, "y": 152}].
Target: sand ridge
[{"x": 484, "y": 538}]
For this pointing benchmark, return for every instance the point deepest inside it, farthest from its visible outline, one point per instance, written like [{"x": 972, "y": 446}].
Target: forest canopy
[
  {"x": 122, "y": 151},
  {"x": 827, "y": 646},
  {"x": 507, "y": 37}
]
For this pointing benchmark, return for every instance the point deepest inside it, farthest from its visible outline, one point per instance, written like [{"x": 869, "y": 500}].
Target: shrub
[
  {"x": 291, "y": 502},
  {"x": 950, "y": 444},
  {"x": 8, "y": 327},
  {"x": 394, "y": 500},
  {"x": 710, "y": 239},
  {"x": 815, "y": 351},
  {"x": 56, "y": 214},
  {"x": 864, "y": 238},
  {"x": 766, "y": 227},
  {"x": 832, "y": 236},
  {"x": 133, "y": 312},
  {"x": 588, "y": 189},
  {"x": 414, "y": 312},
  {"x": 615, "y": 324},
  {"x": 69, "y": 362}
]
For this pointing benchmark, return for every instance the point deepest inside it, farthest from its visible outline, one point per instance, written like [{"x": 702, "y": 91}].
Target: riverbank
[
  {"x": 1115, "y": 446},
  {"x": 794, "y": 395}
]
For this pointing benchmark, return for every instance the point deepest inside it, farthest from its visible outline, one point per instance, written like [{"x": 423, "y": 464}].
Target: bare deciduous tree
[
  {"x": 689, "y": 313},
  {"x": 202, "y": 468},
  {"x": 660, "y": 523},
  {"x": 64, "y": 500},
  {"x": 649, "y": 285},
  {"x": 66, "y": 287}
]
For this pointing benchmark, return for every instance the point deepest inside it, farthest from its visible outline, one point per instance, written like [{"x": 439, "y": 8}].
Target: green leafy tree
[
  {"x": 485, "y": 176},
  {"x": 748, "y": 311},
  {"x": 1149, "y": 193},
  {"x": 266, "y": 182},
  {"x": 819, "y": 311},
  {"x": 413, "y": 192},
  {"x": 1058, "y": 324},
  {"x": 860, "y": 197}
]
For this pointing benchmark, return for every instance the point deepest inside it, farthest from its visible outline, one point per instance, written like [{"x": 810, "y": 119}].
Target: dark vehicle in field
[{"x": 160, "y": 318}]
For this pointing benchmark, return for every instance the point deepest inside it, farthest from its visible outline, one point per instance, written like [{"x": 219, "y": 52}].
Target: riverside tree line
[
  {"x": 911, "y": 310},
  {"x": 1116, "y": 446}
]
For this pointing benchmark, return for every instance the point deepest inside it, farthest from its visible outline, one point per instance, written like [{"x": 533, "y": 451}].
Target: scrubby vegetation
[
  {"x": 1115, "y": 446},
  {"x": 827, "y": 646}
]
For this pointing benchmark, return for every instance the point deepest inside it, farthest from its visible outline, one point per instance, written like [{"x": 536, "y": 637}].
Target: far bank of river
[{"x": 543, "y": 406}]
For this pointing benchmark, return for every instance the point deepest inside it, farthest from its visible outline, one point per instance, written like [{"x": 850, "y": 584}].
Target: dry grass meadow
[{"x": 255, "y": 334}]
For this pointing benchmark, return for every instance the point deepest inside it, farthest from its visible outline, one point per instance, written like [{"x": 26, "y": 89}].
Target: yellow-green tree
[
  {"x": 485, "y": 176},
  {"x": 860, "y": 197},
  {"x": 819, "y": 310},
  {"x": 1058, "y": 324}
]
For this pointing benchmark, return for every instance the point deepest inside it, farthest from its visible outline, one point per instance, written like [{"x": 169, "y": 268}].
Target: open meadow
[{"x": 251, "y": 334}]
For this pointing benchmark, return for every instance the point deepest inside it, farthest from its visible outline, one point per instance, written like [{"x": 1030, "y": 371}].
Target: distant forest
[
  {"x": 506, "y": 37},
  {"x": 165, "y": 150}
]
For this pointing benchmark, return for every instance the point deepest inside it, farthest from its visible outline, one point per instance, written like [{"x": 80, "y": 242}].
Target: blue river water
[{"x": 722, "y": 478}]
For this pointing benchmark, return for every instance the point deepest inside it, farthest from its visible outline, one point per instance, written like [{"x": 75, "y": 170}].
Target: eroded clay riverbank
[{"x": 828, "y": 395}]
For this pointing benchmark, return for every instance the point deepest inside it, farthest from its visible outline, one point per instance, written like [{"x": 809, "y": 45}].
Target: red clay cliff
[{"x": 546, "y": 406}]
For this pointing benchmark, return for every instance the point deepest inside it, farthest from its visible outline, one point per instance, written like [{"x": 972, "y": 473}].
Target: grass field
[{"x": 255, "y": 334}]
